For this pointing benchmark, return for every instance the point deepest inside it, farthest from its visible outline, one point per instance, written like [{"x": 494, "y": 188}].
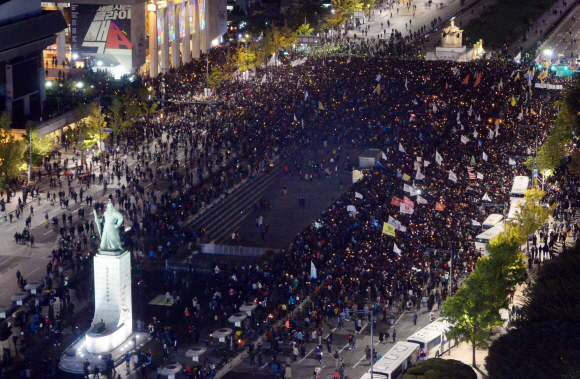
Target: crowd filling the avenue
[{"x": 451, "y": 137}]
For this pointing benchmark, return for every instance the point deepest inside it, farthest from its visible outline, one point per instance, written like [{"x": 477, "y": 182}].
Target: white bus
[
  {"x": 515, "y": 207},
  {"x": 396, "y": 361},
  {"x": 491, "y": 221},
  {"x": 520, "y": 186},
  {"x": 482, "y": 239},
  {"x": 432, "y": 339}
]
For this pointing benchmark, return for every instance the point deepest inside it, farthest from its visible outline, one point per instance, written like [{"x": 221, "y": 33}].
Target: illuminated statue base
[
  {"x": 111, "y": 331},
  {"x": 456, "y": 54},
  {"x": 113, "y": 320}
]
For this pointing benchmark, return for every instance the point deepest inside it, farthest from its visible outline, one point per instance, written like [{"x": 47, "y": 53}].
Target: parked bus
[
  {"x": 515, "y": 207},
  {"x": 397, "y": 360},
  {"x": 432, "y": 339},
  {"x": 520, "y": 186},
  {"x": 491, "y": 221},
  {"x": 482, "y": 239}
]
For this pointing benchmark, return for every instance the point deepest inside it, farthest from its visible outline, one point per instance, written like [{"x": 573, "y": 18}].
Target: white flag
[
  {"x": 488, "y": 55},
  {"x": 452, "y": 176},
  {"x": 358, "y": 195},
  {"x": 421, "y": 200},
  {"x": 305, "y": 95},
  {"x": 479, "y": 176},
  {"x": 378, "y": 78},
  {"x": 407, "y": 188},
  {"x": 438, "y": 158},
  {"x": 426, "y": 163},
  {"x": 537, "y": 60},
  {"x": 406, "y": 208},
  {"x": 415, "y": 192},
  {"x": 486, "y": 197},
  {"x": 475, "y": 223},
  {"x": 419, "y": 176},
  {"x": 351, "y": 208},
  {"x": 458, "y": 116},
  {"x": 518, "y": 57},
  {"x": 393, "y": 222},
  {"x": 396, "y": 250},
  {"x": 313, "y": 273},
  {"x": 434, "y": 108},
  {"x": 464, "y": 139},
  {"x": 384, "y": 156},
  {"x": 401, "y": 148},
  {"x": 417, "y": 166},
  {"x": 484, "y": 157},
  {"x": 264, "y": 79},
  {"x": 475, "y": 133},
  {"x": 295, "y": 118},
  {"x": 406, "y": 82},
  {"x": 512, "y": 162}
]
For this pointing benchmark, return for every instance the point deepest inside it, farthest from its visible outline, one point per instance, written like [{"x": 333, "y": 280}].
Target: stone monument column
[
  {"x": 113, "y": 319},
  {"x": 153, "y": 48},
  {"x": 186, "y": 41},
  {"x": 60, "y": 42},
  {"x": 195, "y": 38},
  {"x": 165, "y": 43},
  {"x": 175, "y": 50}
]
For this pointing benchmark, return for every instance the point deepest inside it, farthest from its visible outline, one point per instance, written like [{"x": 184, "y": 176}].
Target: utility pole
[
  {"x": 29, "y": 152},
  {"x": 100, "y": 125}
]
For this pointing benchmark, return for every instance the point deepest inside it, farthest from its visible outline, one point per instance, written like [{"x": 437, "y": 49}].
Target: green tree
[
  {"x": 531, "y": 215},
  {"x": 337, "y": 16},
  {"x": 545, "y": 340},
  {"x": 11, "y": 151},
  {"x": 552, "y": 153},
  {"x": 216, "y": 77},
  {"x": 116, "y": 116},
  {"x": 438, "y": 368},
  {"x": 41, "y": 146},
  {"x": 304, "y": 30},
  {"x": 471, "y": 312},
  {"x": 475, "y": 307},
  {"x": 245, "y": 58}
]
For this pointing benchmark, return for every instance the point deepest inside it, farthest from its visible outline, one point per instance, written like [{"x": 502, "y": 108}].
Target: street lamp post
[
  {"x": 29, "y": 152},
  {"x": 535, "y": 166},
  {"x": 100, "y": 125}
]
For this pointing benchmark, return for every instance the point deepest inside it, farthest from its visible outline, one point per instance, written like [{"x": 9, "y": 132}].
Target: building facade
[
  {"x": 26, "y": 31},
  {"x": 129, "y": 36}
]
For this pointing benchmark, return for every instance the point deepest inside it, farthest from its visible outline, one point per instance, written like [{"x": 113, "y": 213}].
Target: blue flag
[
  {"x": 375, "y": 223},
  {"x": 379, "y": 164}
]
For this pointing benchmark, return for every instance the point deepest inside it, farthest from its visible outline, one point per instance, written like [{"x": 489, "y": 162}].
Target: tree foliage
[
  {"x": 41, "y": 146},
  {"x": 216, "y": 77},
  {"x": 476, "y": 306},
  {"x": 471, "y": 311},
  {"x": 304, "y": 30},
  {"x": 11, "y": 151},
  {"x": 438, "y": 368},
  {"x": 531, "y": 215},
  {"x": 546, "y": 340}
]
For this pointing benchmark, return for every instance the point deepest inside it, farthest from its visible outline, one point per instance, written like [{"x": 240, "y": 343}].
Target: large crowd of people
[{"x": 447, "y": 132}]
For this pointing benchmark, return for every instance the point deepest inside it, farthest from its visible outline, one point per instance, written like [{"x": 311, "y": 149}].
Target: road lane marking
[{"x": 306, "y": 356}]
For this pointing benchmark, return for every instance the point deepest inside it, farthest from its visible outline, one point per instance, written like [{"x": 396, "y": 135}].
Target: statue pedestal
[
  {"x": 455, "y": 54},
  {"x": 113, "y": 321}
]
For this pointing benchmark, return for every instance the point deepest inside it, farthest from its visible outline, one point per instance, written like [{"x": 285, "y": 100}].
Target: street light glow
[{"x": 79, "y": 84}]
